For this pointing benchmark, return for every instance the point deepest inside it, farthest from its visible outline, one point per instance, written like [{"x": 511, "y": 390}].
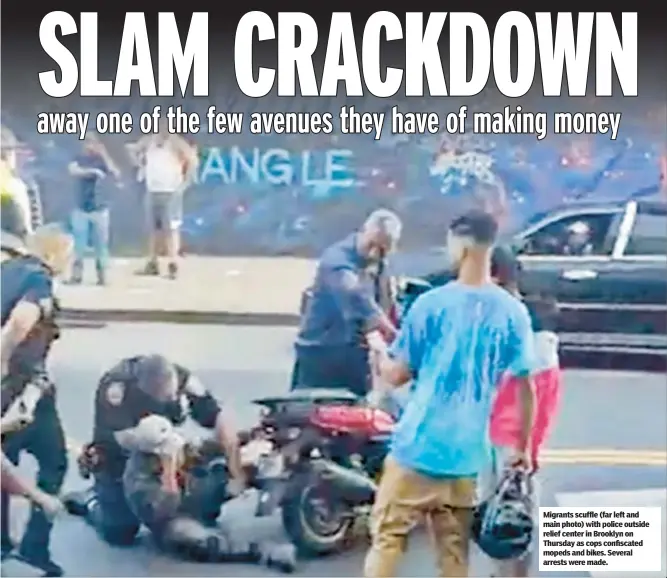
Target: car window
[
  {"x": 574, "y": 235},
  {"x": 649, "y": 235}
]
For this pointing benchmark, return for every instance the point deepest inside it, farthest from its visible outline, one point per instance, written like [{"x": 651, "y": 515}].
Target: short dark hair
[
  {"x": 477, "y": 225},
  {"x": 153, "y": 370}
]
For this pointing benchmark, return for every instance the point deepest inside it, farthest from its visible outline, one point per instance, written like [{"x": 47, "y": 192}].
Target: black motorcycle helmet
[{"x": 503, "y": 525}]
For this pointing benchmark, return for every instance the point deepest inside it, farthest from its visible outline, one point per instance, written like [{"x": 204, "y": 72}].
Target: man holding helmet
[{"x": 455, "y": 343}]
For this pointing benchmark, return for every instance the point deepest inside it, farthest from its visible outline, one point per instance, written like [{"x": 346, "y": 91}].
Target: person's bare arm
[
  {"x": 400, "y": 363},
  {"x": 188, "y": 152},
  {"x": 112, "y": 167},
  {"x": 527, "y": 410},
  {"x": 208, "y": 413},
  {"x": 77, "y": 170},
  {"x": 137, "y": 150},
  {"x": 523, "y": 358},
  {"x": 22, "y": 319},
  {"x": 227, "y": 435}
]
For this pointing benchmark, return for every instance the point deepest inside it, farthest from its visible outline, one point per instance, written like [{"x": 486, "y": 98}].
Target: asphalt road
[{"x": 610, "y": 438}]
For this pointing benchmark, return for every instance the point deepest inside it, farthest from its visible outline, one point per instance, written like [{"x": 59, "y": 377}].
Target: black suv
[{"x": 605, "y": 263}]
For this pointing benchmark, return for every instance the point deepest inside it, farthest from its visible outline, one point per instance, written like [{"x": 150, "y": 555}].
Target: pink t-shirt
[{"x": 505, "y": 426}]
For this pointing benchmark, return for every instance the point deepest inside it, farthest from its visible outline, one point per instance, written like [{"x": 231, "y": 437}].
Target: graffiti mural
[
  {"x": 327, "y": 169},
  {"x": 267, "y": 194}
]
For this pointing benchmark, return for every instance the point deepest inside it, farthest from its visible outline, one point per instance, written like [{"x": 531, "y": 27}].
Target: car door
[
  {"x": 636, "y": 292},
  {"x": 576, "y": 281}
]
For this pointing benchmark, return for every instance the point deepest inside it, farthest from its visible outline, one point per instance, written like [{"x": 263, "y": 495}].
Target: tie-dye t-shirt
[{"x": 458, "y": 341}]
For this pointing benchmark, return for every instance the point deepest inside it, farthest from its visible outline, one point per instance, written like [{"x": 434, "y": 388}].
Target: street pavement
[{"x": 610, "y": 438}]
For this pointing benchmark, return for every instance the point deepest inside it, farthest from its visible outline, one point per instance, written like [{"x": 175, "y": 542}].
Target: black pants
[
  {"x": 45, "y": 440},
  {"x": 332, "y": 367},
  {"x": 109, "y": 512}
]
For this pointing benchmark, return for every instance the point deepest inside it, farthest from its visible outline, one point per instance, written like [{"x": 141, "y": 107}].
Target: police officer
[
  {"x": 134, "y": 388},
  {"x": 157, "y": 453},
  {"x": 12, "y": 482},
  {"x": 350, "y": 298},
  {"x": 29, "y": 308}
]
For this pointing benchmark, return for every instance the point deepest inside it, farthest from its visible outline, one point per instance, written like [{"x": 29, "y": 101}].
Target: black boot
[
  {"x": 78, "y": 503},
  {"x": 34, "y": 548}
]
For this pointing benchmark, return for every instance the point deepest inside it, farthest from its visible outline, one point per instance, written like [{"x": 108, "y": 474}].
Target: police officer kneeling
[
  {"x": 29, "y": 265},
  {"x": 137, "y": 388}
]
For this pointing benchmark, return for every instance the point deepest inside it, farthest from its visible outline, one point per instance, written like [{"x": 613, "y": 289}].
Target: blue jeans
[
  {"x": 111, "y": 514},
  {"x": 91, "y": 228}
]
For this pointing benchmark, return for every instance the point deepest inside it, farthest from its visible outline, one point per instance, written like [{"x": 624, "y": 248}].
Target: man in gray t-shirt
[{"x": 167, "y": 165}]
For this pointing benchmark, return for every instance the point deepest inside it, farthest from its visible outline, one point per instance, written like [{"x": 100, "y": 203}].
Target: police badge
[{"x": 115, "y": 393}]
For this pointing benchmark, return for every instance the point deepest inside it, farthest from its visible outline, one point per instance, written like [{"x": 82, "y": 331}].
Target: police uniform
[
  {"x": 344, "y": 301},
  {"x": 128, "y": 491},
  {"x": 120, "y": 404},
  {"x": 27, "y": 278}
]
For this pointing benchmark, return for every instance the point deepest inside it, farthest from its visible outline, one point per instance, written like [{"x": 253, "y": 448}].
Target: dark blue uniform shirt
[
  {"x": 27, "y": 279},
  {"x": 89, "y": 197},
  {"x": 343, "y": 301}
]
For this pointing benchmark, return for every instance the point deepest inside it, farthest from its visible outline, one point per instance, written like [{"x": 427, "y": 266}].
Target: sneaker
[
  {"x": 42, "y": 562},
  {"x": 173, "y": 270},
  {"x": 101, "y": 277},
  {"x": 151, "y": 268},
  {"x": 78, "y": 503}
]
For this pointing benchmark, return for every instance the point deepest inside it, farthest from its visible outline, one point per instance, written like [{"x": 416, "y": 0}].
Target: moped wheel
[{"x": 315, "y": 524}]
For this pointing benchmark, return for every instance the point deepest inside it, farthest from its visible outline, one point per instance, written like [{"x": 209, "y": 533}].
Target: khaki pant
[{"x": 406, "y": 498}]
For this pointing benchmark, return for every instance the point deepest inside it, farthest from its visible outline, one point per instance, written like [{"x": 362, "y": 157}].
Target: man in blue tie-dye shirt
[{"x": 455, "y": 343}]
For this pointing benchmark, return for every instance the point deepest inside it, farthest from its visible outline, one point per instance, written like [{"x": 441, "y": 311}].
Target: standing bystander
[
  {"x": 90, "y": 218},
  {"x": 455, "y": 343},
  {"x": 167, "y": 165},
  {"x": 505, "y": 423}
]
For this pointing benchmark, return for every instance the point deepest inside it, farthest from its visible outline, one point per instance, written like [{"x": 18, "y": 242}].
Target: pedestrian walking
[
  {"x": 454, "y": 344},
  {"x": 90, "y": 218},
  {"x": 166, "y": 165}
]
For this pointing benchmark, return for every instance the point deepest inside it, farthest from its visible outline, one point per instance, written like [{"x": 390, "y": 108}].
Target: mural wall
[{"x": 279, "y": 195}]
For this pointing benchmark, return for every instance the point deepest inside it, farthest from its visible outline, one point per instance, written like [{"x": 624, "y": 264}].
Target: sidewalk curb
[{"x": 86, "y": 317}]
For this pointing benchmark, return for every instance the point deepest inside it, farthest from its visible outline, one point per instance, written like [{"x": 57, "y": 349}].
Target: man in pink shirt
[{"x": 505, "y": 423}]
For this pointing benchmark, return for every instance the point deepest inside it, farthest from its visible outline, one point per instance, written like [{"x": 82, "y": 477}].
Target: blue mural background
[{"x": 271, "y": 194}]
